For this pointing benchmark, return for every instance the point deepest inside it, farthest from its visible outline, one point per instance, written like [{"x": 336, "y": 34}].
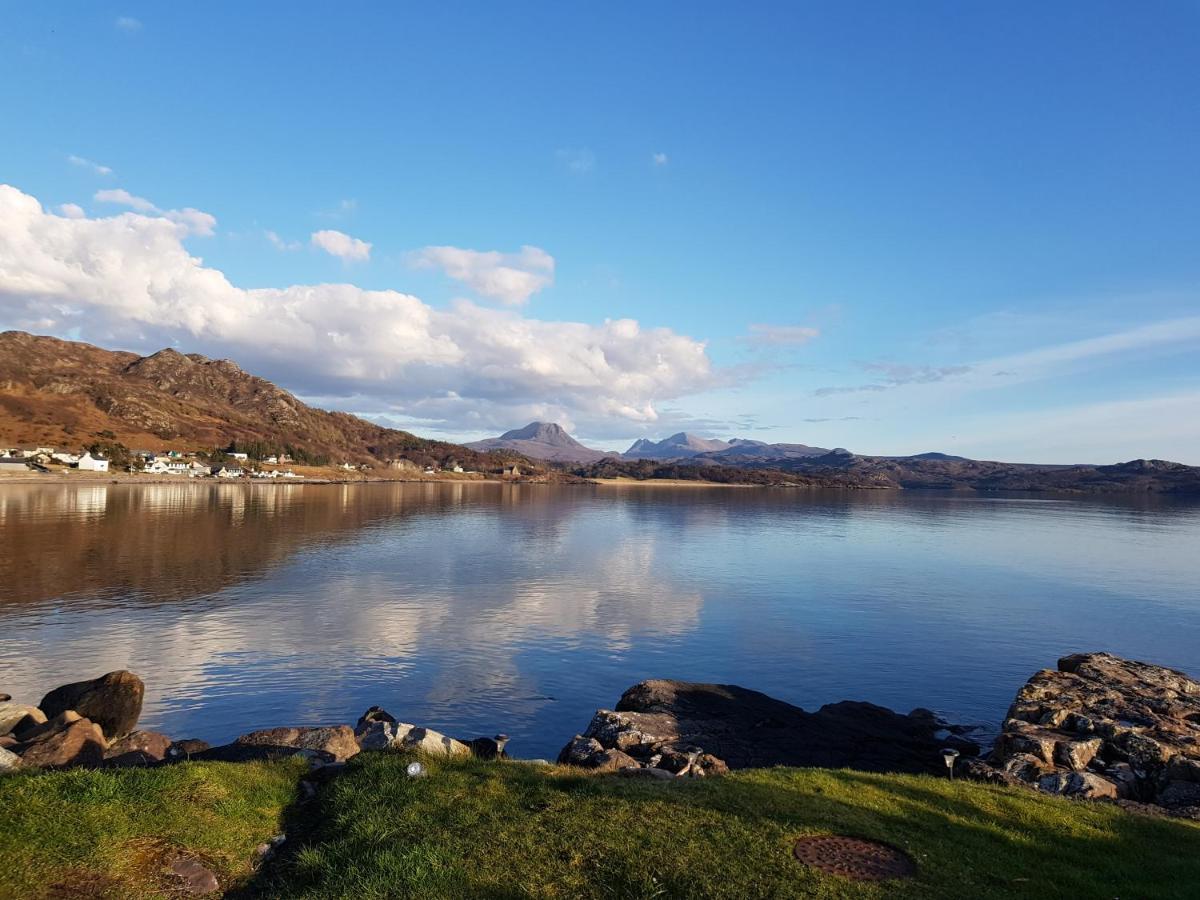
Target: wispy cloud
[
  {"x": 894, "y": 375},
  {"x": 189, "y": 220},
  {"x": 511, "y": 278},
  {"x": 780, "y": 335},
  {"x": 579, "y": 161},
  {"x": 128, "y": 24},
  {"x": 659, "y": 159},
  {"x": 344, "y": 209},
  {"x": 341, "y": 245},
  {"x": 88, "y": 164},
  {"x": 280, "y": 244}
]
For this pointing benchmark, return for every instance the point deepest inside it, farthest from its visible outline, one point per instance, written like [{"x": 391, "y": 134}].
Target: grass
[
  {"x": 113, "y": 833},
  {"x": 509, "y": 830}
]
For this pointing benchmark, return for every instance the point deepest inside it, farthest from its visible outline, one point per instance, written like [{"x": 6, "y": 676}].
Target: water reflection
[{"x": 521, "y": 608}]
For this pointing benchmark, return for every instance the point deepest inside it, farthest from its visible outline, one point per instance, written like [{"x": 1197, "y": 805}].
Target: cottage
[
  {"x": 196, "y": 469},
  {"x": 226, "y": 472},
  {"x": 13, "y": 465},
  {"x": 240, "y": 456},
  {"x": 166, "y": 465},
  {"x": 89, "y": 463},
  {"x": 514, "y": 471}
]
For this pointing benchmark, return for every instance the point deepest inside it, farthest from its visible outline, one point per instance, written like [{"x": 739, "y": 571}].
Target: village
[{"x": 220, "y": 464}]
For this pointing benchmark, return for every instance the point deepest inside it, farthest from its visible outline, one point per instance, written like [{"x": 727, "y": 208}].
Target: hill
[
  {"x": 71, "y": 394},
  {"x": 678, "y": 446},
  {"x": 541, "y": 440}
]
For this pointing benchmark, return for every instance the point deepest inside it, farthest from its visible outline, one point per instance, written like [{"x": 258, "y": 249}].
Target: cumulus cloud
[
  {"x": 72, "y": 210},
  {"x": 190, "y": 221},
  {"x": 781, "y": 335},
  {"x": 128, "y": 280},
  {"x": 510, "y": 278},
  {"x": 88, "y": 164},
  {"x": 341, "y": 245}
]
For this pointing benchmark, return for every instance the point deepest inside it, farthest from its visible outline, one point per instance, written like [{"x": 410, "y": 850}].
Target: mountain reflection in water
[{"x": 521, "y": 608}]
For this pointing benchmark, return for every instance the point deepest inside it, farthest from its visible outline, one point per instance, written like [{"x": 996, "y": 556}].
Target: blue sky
[{"x": 891, "y": 227}]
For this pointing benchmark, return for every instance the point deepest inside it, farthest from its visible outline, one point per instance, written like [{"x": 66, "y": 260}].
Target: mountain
[
  {"x": 677, "y": 446},
  {"x": 741, "y": 451},
  {"x": 542, "y": 440},
  {"x": 70, "y": 394}
]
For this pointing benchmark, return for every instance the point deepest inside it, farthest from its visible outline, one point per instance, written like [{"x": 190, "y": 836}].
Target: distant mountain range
[{"x": 542, "y": 440}]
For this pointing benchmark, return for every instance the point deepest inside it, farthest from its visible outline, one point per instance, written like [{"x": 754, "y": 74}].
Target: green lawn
[{"x": 508, "y": 830}]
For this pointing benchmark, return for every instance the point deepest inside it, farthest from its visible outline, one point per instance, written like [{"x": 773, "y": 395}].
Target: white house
[
  {"x": 241, "y": 456},
  {"x": 195, "y": 469},
  {"x": 67, "y": 459},
  {"x": 89, "y": 463},
  {"x": 165, "y": 465},
  {"x": 226, "y": 471}
]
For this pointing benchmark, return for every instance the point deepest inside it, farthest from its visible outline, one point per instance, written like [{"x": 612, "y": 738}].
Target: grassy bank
[{"x": 473, "y": 829}]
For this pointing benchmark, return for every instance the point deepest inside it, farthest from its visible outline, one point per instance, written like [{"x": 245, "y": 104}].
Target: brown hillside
[{"x": 70, "y": 394}]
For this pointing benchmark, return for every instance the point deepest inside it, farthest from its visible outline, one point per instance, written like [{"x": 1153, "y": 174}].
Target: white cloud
[
  {"x": 339, "y": 244},
  {"x": 781, "y": 335},
  {"x": 128, "y": 280},
  {"x": 280, "y": 244},
  {"x": 124, "y": 198},
  {"x": 190, "y": 221},
  {"x": 128, "y": 23},
  {"x": 72, "y": 211},
  {"x": 510, "y": 278},
  {"x": 579, "y": 161},
  {"x": 660, "y": 159},
  {"x": 88, "y": 164}
]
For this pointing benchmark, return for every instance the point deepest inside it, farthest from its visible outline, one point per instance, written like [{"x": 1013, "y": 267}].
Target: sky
[{"x": 896, "y": 228}]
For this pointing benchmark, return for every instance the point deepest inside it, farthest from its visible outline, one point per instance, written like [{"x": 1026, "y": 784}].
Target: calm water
[{"x": 483, "y": 608}]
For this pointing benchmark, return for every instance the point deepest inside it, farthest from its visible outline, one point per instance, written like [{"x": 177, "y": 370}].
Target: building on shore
[{"x": 89, "y": 463}]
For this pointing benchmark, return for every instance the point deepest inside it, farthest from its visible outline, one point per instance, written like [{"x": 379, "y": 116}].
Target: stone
[
  {"x": 426, "y": 740},
  {"x": 374, "y": 714},
  {"x": 1077, "y": 755},
  {"x": 648, "y": 772},
  {"x": 8, "y": 760},
  {"x": 336, "y": 740},
  {"x": 1180, "y": 793},
  {"x": 266, "y": 752},
  {"x": 197, "y": 878},
  {"x": 112, "y": 701},
  {"x": 376, "y": 735},
  {"x": 138, "y": 748},
  {"x": 50, "y": 726},
  {"x": 186, "y": 748},
  {"x": 79, "y": 742},
  {"x": 488, "y": 748},
  {"x": 579, "y": 751},
  {"x": 1183, "y": 769},
  {"x": 1090, "y": 786},
  {"x": 7, "y": 740},
  {"x": 14, "y": 716}
]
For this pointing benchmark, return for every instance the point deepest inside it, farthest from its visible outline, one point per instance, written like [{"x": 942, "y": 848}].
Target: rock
[
  {"x": 139, "y": 748},
  {"x": 426, "y": 740},
  {"x": 1103, "y": 727},
  {"x": 579, "y": 751},
  {"x": 336, "y": 740},
  {"x": 376, "y": 735},
  {"x": 649, "y": 772},
  {"x": 374, "y": 714},
  {"x": 186, "y": 748},
  {"x": 1180, "y": 793},
  {"x": 254, "y": 752},
  {"x": 8, "y": 760},
  {"x": 71, "y": 742},
  {"x": 7, "y": 740},
  {"x": 197, "y": 878},
  {"x": 16, "y": 716},
  {"x": 744, "y": 728},
  {"x": 488, "y": 748},
  {"x": 112, "y": 701}
]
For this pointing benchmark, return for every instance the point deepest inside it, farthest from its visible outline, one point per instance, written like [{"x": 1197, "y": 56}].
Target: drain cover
[{"x": 854, "y": 858}]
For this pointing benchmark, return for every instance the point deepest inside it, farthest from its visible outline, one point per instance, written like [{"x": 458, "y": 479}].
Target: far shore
[
  {"x": 667, "y": 482},
  {"x": 93, "y": 478}
]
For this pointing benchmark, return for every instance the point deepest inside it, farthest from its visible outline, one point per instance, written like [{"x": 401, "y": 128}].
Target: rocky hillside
[
  {"x": 542, "y": 440},
  {"x": 64, "y": 393},
  {"x": 678, "y": 446}
]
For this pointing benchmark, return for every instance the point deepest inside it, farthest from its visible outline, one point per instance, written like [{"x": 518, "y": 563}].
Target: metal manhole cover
[{"x": 854, "y": 858}]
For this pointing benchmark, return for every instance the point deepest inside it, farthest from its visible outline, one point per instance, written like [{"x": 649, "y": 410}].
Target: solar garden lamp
[
  {"x": 949, "y": 755},
  {"x": 415, "y": 770}
]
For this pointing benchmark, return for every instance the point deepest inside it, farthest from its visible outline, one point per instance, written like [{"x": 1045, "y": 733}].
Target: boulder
[
  {"x": 376, "y": 735},
  {"x": 112, "y": 701},
  {"x": 374, "y": 714},
  {"x": 1103, "y": 727},
  {"x": 488, "y": 747},
  {"x": 139, "y": 748},
  {"x": 8, "y": 760},
  {"x": 426, "y": 740},
  {"x": 261, "y": 752},
  {"x": 735, "y": 728},
  {"x": 17, "y": 716},
  {"x": 73, "y": 742},
  {"x": 186, "y": 748},
  {"x": 337, "y": 740}
]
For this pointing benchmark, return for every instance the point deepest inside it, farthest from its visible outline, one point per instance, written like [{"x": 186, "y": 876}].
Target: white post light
[{"x": 949, "y": 756}]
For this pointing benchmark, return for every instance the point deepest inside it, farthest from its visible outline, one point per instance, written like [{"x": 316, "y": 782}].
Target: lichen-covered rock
[
  {"x": 1103, "y": 727},
  {"x": 426, "y": 740},
  {"x": 112, "y": 701},
  {"x": 336, "y": 740},
  {"x": 185, "y": 749}
]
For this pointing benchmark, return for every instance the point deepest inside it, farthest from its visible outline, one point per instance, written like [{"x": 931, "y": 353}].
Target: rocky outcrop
[
  {"x": 694, "y": 728},
  {"x": 1103, "y": 727},
  {"x": 379, "y": 730},
  {"x": 64, "y": 741},
  {"x": 112, "y": 701},
  {"x": 336, "y": 740}
]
